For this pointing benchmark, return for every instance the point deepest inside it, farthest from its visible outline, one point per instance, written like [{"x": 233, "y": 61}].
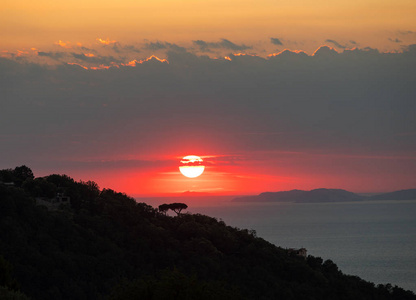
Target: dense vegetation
[{"x": 104, "y": 245}]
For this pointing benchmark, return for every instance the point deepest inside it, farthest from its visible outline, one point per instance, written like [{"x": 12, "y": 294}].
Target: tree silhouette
[
  {"x": 7, "y": 175},
  {"x": 163, "y": 208},
  {"x": 178, "y": 207},
  {"x": 21, "y": 174}
]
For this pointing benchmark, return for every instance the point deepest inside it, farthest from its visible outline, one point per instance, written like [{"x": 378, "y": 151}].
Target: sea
[{"x": 375, "y": 240}]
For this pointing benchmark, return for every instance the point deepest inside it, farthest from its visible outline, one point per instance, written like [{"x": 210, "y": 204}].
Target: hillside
[
  {"x": 397, "y": 195},
  {"x": 101, "y": 244},
  {"x": 317, "y": 195}
]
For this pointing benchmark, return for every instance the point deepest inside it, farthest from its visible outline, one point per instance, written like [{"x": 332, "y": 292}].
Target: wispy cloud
[
  {"x": 406, "y": 32},
  {"x": 276, "y": 41},
  {"x": 336, "y": 44},
  {"x": 325, "y": 51},
  {"x": 62, "y": 44},
  {"x": 396, "y": 40},
  {"x": 94, "y": 59},
  {"x": 79, "y": 65},
  {"x": 106, "y": 42},
  {"x": 53, "y": 55},
  {"x": 158, "y": 45},
  {"x": 222, "y": 44}
]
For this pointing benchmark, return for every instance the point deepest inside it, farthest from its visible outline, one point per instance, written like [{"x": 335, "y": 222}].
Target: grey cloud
[
  {"x": 131, "y": 48},
  {"x": 288, "y": 56},
  {"x": 204, "y": 46},
  {"x": 223, "y": 44},
  {"x": 276, "y": 41},
  {"x": 116, "y": 48},
  {"x": 330, "y": 101},
  {"x": 336, "y": 44},
  {"x": 83, "y": 48},
  {"x": 396, "y": 40},
  {"x": 406, "y": 32},
  {"x": 95, "y": 59},
  {"x": 119, "y": 48},
  {"x": 154, "y": 46},
  {"x": 110, "y": 164},
  {"x": 410, "y": 49},
  {"x": 368, "y": 50},
  {"x": 325, "y": 52},
  {"x": 53, "y": 55}
]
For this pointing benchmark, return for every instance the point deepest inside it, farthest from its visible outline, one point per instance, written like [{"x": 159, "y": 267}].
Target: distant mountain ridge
[
  {"x": 324, "y": 195},
  {"x": 409, "y": 194}
]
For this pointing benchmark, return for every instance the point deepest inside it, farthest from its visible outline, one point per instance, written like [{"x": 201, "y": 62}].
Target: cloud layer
[{"x": 358, "y": 102}]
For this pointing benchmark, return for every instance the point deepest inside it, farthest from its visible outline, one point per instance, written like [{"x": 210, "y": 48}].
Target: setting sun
[{"x": 191, "y": 166}]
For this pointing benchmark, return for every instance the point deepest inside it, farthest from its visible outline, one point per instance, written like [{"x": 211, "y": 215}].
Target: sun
[{"x": 191, "y": 166}]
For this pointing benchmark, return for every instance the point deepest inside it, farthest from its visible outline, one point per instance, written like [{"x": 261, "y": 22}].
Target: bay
[{"x": 375, "y": 240}]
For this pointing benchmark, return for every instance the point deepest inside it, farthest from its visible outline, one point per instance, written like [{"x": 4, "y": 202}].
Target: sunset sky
[{"x": 273, "y": 95}]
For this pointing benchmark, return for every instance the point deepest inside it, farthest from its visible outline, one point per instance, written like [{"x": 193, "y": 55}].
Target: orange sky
[{"x": 306, "y": 23}]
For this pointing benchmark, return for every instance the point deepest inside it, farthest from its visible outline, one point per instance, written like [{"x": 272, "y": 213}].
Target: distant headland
[{"x": 324, "y": 195}]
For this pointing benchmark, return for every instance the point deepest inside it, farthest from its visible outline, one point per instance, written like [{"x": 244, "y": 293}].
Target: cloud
[
  {"x": 336, "y": 44},
  {"x": 115, "y": 164},
  {"x": 276, "y": 41},
  {"x": 150, "y": 59},
  {"x": 106, "y": 41},
  {"x": 118, "y": 48},
  {"x": 87, "y": 49},
  {"x": 93, "y": 59},
  {"x": 325, "y": 51},
  {"x": 155, "y": 46},
  {"x": 224, "y": 160},
  {"x": 406, "y": 32},
  {"x": 230, "y": 45},
  {"x": 131, "y": 48},
  {"x": 62, "y": 44},
  {"x": 396, "y": 40},
  {"x": 351, "y": 102},
  {"x": 53, "y": 55},
  {"x": 410, "y": 49},
  {"x": 288, "y": 55},
  {"x": 223, "y": 44}
]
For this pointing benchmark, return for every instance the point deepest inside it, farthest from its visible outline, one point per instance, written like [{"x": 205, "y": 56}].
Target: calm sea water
[{"x": 375, "y": 240}]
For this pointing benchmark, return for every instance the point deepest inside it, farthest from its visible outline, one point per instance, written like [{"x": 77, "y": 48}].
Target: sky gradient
[{"x": 272, "y": 95}]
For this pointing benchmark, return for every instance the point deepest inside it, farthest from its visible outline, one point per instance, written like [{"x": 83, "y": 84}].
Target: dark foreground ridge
[
  {"x": 324, "y": 195},
  {"x": 89, "y": 243}
]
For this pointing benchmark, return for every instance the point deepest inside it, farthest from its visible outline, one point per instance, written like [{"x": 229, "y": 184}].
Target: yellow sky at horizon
[{"x": 40, "y": 23}]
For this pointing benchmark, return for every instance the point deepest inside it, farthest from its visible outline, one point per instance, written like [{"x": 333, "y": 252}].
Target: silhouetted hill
[
  {"x": 317, "y": 195},
  {"x": 397, "y": 195},
  {"x": 101, "y": 244}
]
